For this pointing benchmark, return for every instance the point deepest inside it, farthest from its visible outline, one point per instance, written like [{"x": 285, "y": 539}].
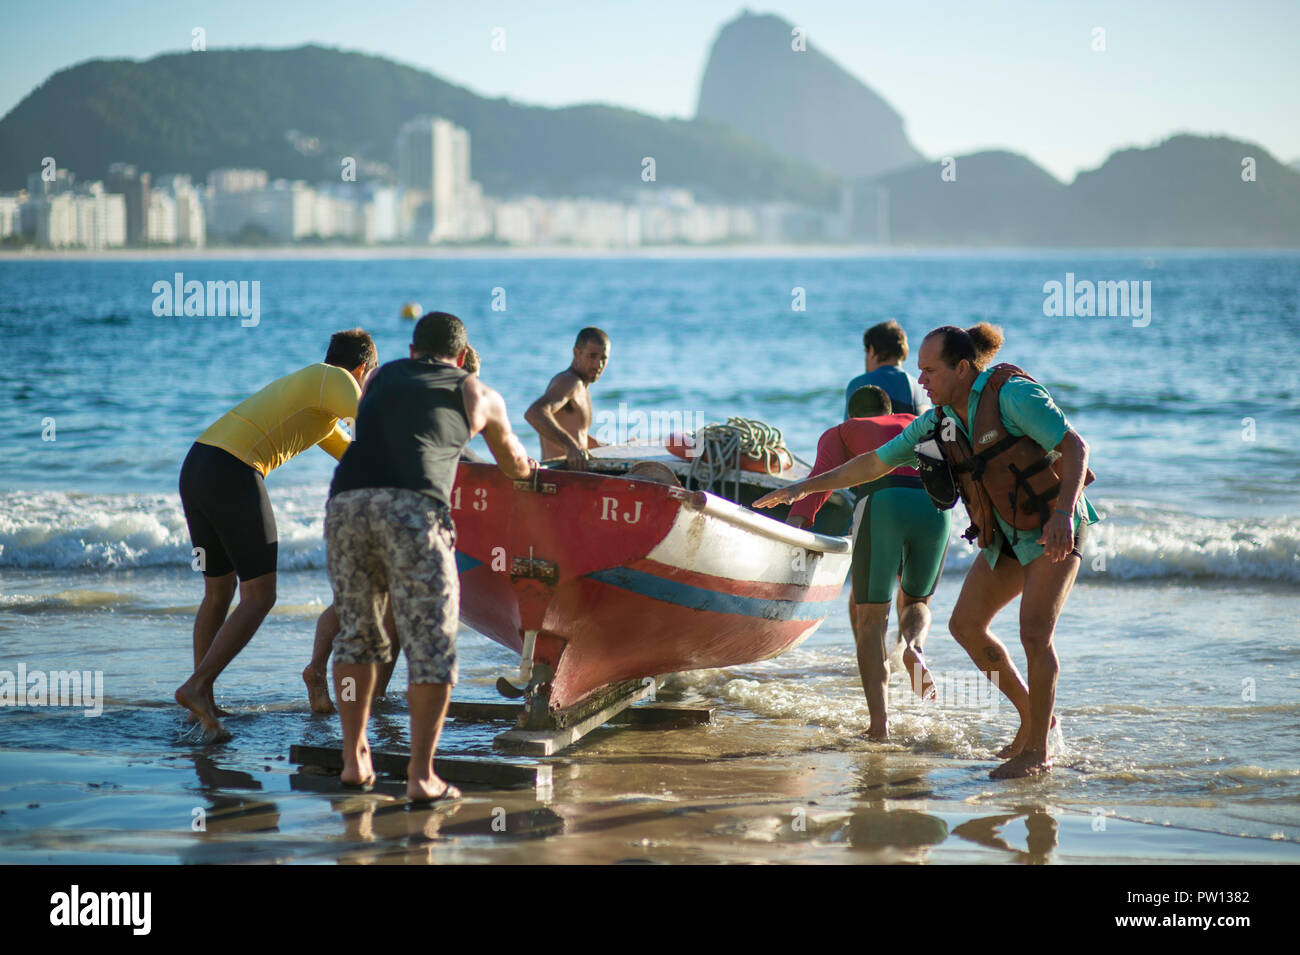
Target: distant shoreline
[{"x": 290, "y": 253}]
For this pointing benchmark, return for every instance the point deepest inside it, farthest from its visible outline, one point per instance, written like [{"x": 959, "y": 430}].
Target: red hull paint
[
  {"x": 593, "y": 632},
  {"x": 615, "y": 634}
]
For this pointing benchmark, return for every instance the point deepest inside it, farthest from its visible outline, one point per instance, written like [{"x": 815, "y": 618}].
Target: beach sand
[
  {"x": 737, "y": 791},
  {"x": 1170, "y": 770}
]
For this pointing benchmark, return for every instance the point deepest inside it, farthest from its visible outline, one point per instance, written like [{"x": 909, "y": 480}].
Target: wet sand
[{"x": 737, "y": 791}]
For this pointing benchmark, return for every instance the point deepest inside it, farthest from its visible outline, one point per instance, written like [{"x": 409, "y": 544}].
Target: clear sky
[{"x": 1015, "y": 74}]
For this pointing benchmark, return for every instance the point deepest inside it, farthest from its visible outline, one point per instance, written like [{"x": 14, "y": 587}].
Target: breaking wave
[{"x": 65, "y": 530}]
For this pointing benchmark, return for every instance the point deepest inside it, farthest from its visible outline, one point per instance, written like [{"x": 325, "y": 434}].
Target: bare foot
[
  {"x": 318, "y": 692},
  {"x": 358, "y": 771},
  {"x": 919, "y": 675},
  {"x": 1028, "y": 763},
  {"x": 201, "y": 708},
  {"x": 1017, "y": 745},
  {"x": 190, "y": 717},
  {"x": 431, "y": 790},
  {"x": 877, "y": 732}
]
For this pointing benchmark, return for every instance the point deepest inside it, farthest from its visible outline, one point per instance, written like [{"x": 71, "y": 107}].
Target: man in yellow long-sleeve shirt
[{"x": 229, "y": 514}]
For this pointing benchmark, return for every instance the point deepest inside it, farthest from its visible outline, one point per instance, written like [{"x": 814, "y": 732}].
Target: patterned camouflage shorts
[{"x": 387, "y": 543}]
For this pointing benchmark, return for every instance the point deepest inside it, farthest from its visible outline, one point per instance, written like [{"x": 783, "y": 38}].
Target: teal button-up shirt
[{"x": 1027, "y": 410}]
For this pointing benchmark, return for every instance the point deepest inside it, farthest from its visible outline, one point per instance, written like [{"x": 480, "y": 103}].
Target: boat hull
[{"x": 622, "y": 579}]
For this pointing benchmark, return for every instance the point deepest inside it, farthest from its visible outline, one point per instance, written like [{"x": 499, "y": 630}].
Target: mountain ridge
[
  {"x": 774, "y": 86},
  {"x": 1186, "y": 189},
  {"x": 193, "y": 112},
  {"x": 297, "y": 112}
]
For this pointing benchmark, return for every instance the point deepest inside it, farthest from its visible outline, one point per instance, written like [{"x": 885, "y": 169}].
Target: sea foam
[{"x": 57, "y": 530}]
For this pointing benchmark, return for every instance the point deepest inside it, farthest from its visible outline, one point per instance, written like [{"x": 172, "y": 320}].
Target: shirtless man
[{"x": 563, "y": 414}]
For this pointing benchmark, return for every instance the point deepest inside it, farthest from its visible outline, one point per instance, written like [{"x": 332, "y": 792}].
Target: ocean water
[{"x": 1180, "y": 647}]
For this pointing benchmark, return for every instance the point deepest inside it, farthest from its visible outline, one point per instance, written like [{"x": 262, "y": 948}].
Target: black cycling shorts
[{"x": 228, "y": 513}]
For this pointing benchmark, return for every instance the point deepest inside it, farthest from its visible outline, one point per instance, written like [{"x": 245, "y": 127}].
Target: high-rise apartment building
[
  {"x": 433, "y": 170},
  {"x": 125, "y": 180},
  {"x": 190, "y": 220},
  {"x": 88, "y": 218}
]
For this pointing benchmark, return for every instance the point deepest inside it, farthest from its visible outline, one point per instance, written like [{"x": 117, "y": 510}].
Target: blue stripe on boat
[
  {"x": 699, "y": 598},
  {"x": 465, "y": 562}
]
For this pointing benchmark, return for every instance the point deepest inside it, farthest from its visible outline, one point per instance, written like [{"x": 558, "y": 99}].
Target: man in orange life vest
[
  {"x": 901, "y": 537},
  {"x": 1023, "y": 490}
]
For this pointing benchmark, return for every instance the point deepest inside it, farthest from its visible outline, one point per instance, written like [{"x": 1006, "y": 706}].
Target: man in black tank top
[
  {"x": 390, "y": 540},
  {"x": 315, "y": 673}
]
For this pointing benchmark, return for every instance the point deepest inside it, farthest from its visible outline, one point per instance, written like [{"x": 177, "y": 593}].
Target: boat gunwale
[
  {"x": 727, "y": 511},
  {"x": 746, "y": 519}
]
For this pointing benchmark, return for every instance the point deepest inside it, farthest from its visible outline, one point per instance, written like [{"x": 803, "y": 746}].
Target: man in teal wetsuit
[
  {"x": 902, "y": 538},
  {"x": 1040, "y": 566}
]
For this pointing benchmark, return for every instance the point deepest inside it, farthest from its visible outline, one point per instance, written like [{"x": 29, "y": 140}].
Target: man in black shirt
[
  {"x": 316, "y": 673},
  {"x": 390, "y": 540}
]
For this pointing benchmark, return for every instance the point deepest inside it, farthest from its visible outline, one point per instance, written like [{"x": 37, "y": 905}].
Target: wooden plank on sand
[
  {"x": 662, "y": 715},
  {"x": 476, "y": 711},
  {"x": 498, "y": 773},
  {"x": 665, "y": 715},
  {"x": 548, "y": 742}
]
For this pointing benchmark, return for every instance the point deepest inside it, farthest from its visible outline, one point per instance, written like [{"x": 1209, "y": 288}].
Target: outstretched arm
[
  {"x": 486, "y": 411},
  {"x": 863, "y": 468},
  {"x": 831, "y": 453}
]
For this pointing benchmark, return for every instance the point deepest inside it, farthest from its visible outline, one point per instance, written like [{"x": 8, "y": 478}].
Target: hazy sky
[{"x": 1016, "y": 74}]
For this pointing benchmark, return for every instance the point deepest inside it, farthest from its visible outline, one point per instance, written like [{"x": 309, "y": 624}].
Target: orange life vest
[{"x": 1011, "y": 475}]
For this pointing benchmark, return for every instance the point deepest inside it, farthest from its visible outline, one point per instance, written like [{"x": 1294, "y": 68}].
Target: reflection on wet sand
[
  {"x": 394, "y": 832},
  {"x": 740, "y": 791},
  {"x": 229, "y": 812},
  {"x": 1040, "y": 840}
]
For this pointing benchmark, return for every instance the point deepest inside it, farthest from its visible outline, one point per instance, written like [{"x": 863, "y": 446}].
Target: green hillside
[{"x": 193, "y": 112}]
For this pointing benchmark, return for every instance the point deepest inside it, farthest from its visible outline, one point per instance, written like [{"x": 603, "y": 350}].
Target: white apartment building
[
  {"x": 284, "y": 210},
  {"x": 339, "y": 211},
  {"x": 515, "y": 221},
  {"x": 11, "y": 217},
  {"x": 89, "y": 218},
  {"x": 190, "y": 225},
  {"x": 380, "y": 215},
  {"x": 160, "y": 222},
  {"x": 433, "y": 167},
  {"x": 56, "y": 220}
]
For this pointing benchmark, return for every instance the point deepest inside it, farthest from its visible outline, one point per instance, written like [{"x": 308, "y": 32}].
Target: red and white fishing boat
[{"x": 597, "y": 579}]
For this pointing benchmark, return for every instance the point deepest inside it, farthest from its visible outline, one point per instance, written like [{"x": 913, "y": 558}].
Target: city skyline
[
  {"x": 956, "y": 75},
  {"x": 432, "y": 200}
]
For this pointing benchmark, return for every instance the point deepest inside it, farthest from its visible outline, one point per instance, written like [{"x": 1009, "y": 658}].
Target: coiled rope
[{"x": 720, "y": 449}]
